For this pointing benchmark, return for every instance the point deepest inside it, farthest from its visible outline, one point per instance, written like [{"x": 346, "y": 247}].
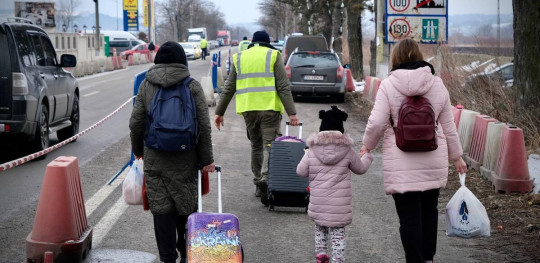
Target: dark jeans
[
  {"x": 418, "y": 219},
  {"x": 166, "y": 227},
  {"x": 204, "y": 53}
]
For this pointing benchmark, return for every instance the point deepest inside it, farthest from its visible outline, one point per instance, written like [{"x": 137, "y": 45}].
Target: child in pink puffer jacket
[{"x": 329, "y": 163}]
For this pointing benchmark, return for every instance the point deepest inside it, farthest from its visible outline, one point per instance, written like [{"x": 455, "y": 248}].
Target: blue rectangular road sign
[{"x": 131, "y": 20}]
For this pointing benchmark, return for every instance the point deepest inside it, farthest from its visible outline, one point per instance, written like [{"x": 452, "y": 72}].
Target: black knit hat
[
  {"x": 261, "y": 36},
  {"x": 332, "y": 120},
  {"x": 170, "y": 52}
]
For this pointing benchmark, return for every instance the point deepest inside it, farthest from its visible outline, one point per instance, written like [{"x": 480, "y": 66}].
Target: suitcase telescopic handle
[
  {"x": 199, "y": 190},
  {"x": 287, "y": 124}
]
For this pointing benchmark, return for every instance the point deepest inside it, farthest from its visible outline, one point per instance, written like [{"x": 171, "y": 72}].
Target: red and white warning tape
[{"x": 22, "y": 160}]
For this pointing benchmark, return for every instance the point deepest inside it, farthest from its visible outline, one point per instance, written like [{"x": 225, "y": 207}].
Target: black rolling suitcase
[{"x": 285, "y": 187}]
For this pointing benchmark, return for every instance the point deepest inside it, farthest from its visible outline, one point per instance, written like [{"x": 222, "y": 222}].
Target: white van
[{"x": 121, "y": 40}]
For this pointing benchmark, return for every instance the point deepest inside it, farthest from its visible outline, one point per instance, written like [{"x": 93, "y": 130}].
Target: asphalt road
[{"x": 125, "y": 233}]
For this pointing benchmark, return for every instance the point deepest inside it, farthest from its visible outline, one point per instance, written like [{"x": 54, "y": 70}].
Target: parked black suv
[
  {"x": 37, "y": 96},
  {"x": 316, "y": 73}
]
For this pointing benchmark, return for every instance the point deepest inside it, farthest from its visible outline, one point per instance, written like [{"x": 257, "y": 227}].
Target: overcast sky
[{"x": 240, "y": 11}]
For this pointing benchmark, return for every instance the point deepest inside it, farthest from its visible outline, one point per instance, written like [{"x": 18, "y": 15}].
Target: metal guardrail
[{"x": 16, "y": 20}]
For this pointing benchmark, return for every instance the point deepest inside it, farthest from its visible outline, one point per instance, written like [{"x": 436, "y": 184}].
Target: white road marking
[
  {"x": 102, "y": 74},
  {"x": 104, "y": 225},
  {"x": 91, "y": 93},
  {"x": 103, "y": 193},
  {"x": 96, "y": 84}
]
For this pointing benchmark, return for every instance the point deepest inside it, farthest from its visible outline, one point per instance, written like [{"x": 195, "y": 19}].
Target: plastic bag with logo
[
  {"x": 465, "y": 215},
  {"x": 132, "y": 187}
]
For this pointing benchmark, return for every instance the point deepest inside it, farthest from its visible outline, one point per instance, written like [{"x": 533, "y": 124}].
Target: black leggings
[
  {"x": 418, "y": 219},
  {"x": 166, "y": 236}
]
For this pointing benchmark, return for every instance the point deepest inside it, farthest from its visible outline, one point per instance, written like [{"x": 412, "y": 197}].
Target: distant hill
[
  {"x": 485, "y": 25},
  {"x": 105, "y": 21}
]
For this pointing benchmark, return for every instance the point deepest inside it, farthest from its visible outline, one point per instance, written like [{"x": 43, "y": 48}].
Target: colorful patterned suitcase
[{"x": 213, "y": 237}]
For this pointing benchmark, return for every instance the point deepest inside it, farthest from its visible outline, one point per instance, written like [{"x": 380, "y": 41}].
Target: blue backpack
[{"x": 172, "y": 119}]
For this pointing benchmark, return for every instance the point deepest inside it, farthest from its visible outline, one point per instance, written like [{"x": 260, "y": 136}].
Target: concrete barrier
[
  {"x": 491, "y": 151},
  {"x": 95, "y": 67},
  {"x": 206, "y": 83},
  {"x": 512, "y": 172},
  {"x": 465, "y": 129},
  {"x": 88, "y": 68},
  {"x": 478, "y": 141},
  {"x": 79, "y": 71},
  {"x": 136, "y": 58},
  {"x": 60, "y": 225},
  {"x": 220, "y": 81},
  {"x": 109, "y": 64}
]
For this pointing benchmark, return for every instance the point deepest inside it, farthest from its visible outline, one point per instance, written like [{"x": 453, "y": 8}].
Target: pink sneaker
[{"x": 323, "y": 258}]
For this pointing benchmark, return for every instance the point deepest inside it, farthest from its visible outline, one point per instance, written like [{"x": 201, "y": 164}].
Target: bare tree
[
  {"x": 66, "y": 12},
  {"x": 179, "y": 15},
  {"x": 354, "y": 9},
  {"x": 527, "y": 56}
]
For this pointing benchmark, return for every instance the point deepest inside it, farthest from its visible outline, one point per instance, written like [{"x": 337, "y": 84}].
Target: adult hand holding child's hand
[{"x": 364, "y": 150}]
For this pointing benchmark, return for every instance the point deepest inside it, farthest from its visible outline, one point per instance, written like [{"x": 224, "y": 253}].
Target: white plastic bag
[
  {"x": 133, "y": 184},
  {"x": 465, "y": 215}
]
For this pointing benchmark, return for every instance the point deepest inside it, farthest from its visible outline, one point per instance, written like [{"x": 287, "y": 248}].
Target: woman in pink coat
[
  {"x": 414, "y": 178},
  {"x": 328, "y": 164}
]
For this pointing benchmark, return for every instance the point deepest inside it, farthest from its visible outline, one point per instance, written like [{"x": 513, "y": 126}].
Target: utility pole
[
  {"x": 498, "y": 30},
  {"x": 384, "y": 48},
  {"x": 98, "y": 43},
  {"x": 149, "y": 2}
]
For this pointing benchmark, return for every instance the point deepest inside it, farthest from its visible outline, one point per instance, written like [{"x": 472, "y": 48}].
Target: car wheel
[
  {"x": 68, "y": 132},
  {"x": 41, "y": 138}
]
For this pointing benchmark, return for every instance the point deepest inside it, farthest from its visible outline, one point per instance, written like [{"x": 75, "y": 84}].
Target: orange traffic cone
[
  {"x": 60, "y": 226},
  {"x": 375, "y": 88},
  {"x": 350, "y": 80},
  {"x": 367, "y": 86},
  {"x": 512, "y": 171}
]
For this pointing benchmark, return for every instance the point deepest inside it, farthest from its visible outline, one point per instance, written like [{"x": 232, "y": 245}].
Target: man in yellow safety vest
[
  {"x": 243, "y": 45},
  {"x": 204, "y": 48},
  {"x": 262, "y": 88}
]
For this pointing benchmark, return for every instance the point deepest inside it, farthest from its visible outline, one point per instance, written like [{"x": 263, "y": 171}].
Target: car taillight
[
  {"x": 314, "y": 52},
  {"x": 339, "y": 72},
  {"x": 20, "y": 84},
  {"x": 288, "y": 69}
]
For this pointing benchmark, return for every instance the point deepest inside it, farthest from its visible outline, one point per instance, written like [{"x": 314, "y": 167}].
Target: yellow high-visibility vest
[
  {"x": 255, "y": 81},
  {"x": 243, "y": 45}
]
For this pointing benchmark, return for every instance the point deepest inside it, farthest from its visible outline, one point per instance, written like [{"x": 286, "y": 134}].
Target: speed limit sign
[
  {"x": 399, "y": 6},
  {"x": 399, "y": 28},
  {"x": 425, "y": 29}
]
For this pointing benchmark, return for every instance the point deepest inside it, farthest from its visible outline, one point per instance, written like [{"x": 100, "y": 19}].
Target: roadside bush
[{"x": 486, "y": 96}]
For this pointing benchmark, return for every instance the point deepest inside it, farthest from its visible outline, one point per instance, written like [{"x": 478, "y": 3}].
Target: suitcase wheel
[{"x": 271, "y": 208}]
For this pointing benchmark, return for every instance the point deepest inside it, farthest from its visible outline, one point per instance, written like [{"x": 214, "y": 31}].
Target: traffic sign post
[
  {"x": 424, "y": 29},
  {"x": 424, "y": 21}
]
